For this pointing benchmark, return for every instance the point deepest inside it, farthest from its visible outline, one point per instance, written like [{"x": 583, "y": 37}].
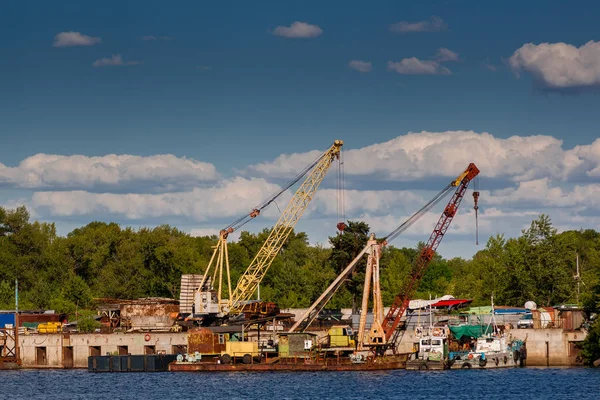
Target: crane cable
[
  {"x": 436, "y": 199},
  {"x": 341, "y": 206},
  {"x": 476, "y": 208},
  {"x": 243, "y": 220}
]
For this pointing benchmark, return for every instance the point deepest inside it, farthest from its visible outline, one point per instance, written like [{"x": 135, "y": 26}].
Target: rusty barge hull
[{"x": 379, "y": 365}]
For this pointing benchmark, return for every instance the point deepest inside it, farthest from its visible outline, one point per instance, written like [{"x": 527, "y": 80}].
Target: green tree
[
  {"x": 345, "y": 247},
  {"x": 7, "y": 295}
]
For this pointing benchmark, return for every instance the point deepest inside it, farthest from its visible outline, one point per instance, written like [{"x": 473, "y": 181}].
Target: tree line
[{"x": 105, "y": 260}]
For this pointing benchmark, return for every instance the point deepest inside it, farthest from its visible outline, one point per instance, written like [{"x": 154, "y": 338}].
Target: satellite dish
[{"x": 530, "y": 305}]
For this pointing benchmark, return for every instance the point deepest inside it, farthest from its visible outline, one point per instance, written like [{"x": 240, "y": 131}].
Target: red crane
[{"x": 396, "y": 311}]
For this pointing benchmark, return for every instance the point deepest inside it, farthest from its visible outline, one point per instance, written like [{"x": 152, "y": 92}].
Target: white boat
[{"x": 494, "y": 349}]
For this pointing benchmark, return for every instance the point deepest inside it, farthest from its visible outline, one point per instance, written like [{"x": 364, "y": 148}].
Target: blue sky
[{"x": 216, "y": 84}]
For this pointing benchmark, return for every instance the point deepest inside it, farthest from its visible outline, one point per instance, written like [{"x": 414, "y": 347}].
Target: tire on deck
[{"x": 225, "y": 359}]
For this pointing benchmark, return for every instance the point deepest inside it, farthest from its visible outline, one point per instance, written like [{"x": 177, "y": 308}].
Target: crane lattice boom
[
  {"x": 396, "y": 311},
  {"x": 248, "y": 282}
]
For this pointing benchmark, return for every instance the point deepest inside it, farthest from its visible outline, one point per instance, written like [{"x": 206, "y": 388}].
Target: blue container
[{"x": 7, "y": 319}]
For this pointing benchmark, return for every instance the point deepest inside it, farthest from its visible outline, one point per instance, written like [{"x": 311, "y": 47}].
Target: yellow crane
[
  {"x": 257, "y": 269},
  {"x": 209, "y": 298}
]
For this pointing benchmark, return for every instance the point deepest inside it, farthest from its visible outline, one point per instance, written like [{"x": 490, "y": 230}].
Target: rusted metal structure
[
  {"x": 211, "y": 341},
  {"x": 145, "y": 314},
  {"x": 9, "y": 345},
  {"x": 299, "y": 364}
]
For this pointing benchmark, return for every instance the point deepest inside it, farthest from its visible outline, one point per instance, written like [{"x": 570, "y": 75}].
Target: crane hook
[{"x": 476, "y": 208}]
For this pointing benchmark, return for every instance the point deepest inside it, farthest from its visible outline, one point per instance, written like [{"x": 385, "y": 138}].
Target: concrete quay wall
[
  {"x": 551, "y": 347},
  {"x": 545, "y": 347},
  {"x": 72, "y": 350}
]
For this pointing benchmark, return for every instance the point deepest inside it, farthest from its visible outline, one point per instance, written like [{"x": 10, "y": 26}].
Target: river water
[{"x": 525, "y": 383}]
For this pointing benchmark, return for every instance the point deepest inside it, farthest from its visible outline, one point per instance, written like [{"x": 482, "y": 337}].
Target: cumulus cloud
[
  {"x": 463, "y": 223},
  {"x": 77, "y": 171},
  {"x": 443, "y": 55},
  {"x": 114, "y": 60},
  {"x": 230, "y": 198},
  {"x": 298, "y": 30},
  {"x": 429, "y": 154},
  {"x": 284, "y": 166},
  {"x": 520, "y": 178},
  {"x": 543, "y": 192},
  {"x": 559, "y": 66},
  {"x": 433, "y": 24},
  {"x": 360, "y": 66},
  {"x": 366, "y": 201},
  {"x": 69, "y": 39},
  {"x": 414, "y": 66}
]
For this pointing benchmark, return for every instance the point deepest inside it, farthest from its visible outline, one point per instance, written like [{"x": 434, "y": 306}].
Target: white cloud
[
  {"x": 77, "y": 171},
  {"x": 366, "y": 201},
  {"x": 433, "y": 24},
  {"x": 463, "y": 222},
  {"x": 298, "y": 30},
  {"x": 520, "y": 178},
  {"x": 425, "y": 154},
  {"x": 284, "y": 166},
  {"x": 544, "y": 192},
  {"x": 114, "y": 60},
  {"x": 360, "y": 66},
  {"x": 559, "y": 66},
  {"x": 443, "y": 55},
  {"x": 149, "y": 37},
  {"x": 414, "y": 66},
  {"x": 230, "y": 199},
  {"x": 69, "y": 39}
]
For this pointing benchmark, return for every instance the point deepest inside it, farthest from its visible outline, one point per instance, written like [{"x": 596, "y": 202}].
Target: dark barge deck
[{"x": 376, "y": 364}]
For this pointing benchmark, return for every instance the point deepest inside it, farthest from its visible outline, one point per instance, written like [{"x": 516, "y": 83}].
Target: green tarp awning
[{"x": 473, "y": 331}]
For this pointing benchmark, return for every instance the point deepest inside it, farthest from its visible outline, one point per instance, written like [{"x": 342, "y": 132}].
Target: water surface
[{"x": 527, "y": 383}]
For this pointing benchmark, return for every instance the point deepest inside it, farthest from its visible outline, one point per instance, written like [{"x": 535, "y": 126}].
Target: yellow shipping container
[
  {"x": 341, "y": 336},
  {"x": 238, "y": 349}
]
